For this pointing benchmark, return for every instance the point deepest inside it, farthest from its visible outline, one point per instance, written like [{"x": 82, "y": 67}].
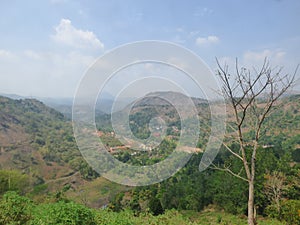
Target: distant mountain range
[{"x": 105, "y": 104}]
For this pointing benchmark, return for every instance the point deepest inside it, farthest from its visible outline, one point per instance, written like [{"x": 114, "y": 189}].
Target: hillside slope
[{"x": 36, "y": 140}]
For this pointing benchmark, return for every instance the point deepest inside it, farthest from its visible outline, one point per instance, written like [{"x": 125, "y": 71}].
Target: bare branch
[
  {"x": 251, "y": 96},
  {"x": 232, "y": 152},
  {"x": 226, "y": 169}
]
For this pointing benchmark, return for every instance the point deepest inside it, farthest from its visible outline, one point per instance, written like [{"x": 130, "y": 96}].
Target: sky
[{"x": 47, "y": 46}]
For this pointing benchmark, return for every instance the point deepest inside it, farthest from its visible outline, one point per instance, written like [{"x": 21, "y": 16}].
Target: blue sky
[{"x": 46, "y": 46}]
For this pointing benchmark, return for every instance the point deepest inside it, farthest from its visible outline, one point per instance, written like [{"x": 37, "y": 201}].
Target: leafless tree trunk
[{"x": 251, "y": 96}]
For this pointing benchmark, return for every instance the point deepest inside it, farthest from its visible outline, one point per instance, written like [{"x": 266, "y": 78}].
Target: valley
[{"x": 39, "y": 159}]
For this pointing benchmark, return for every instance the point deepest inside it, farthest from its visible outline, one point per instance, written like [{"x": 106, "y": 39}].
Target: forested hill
[{"x": 38, "y": 141}]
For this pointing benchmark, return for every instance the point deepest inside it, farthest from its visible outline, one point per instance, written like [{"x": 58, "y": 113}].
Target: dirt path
[{"x": 62, "y": 178}]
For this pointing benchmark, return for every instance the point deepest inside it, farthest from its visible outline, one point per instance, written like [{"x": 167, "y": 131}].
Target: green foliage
[
  {"x": 127, "y": 217},
  {"x": 13, "y": 180},
  {"x": 39, "y": 189},
  {"x": 272, "y": 211},
  {"x": 103, "y": 122},
  {"x": 114, "y": 218},
  {"x": 15, "y": 209},
  {"x": 296, "y": 155},
  {"x": 115, "y": 203},
  {"x": 191, "y": 190},
  {"x": 45, "y": 130},
  {"x": 63, "y": 213},
  {"x": 290, "y": 211},
  {"x": 155, "y": 206},
  {"x": 228, "y": 192}
]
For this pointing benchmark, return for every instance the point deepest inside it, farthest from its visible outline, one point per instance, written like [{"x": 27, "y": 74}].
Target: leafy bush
[
  {"x": 127, "y": 217},
  {"x": 272, "y": 211},
  {"x": 155, "y": 206},
  {"x": 114, "y": 218},
  {"x": 13, "y": 180},
  {"x": 15, "y": 209},
  {"x": 290, "y": 211},
  {"x": 63, "y": 213},
  {"x": 296, "y": 155}
]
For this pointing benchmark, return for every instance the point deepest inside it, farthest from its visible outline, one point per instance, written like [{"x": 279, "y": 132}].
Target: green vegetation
[
  {"x": 191, "y": 190},
  {"x": 39, "y": 160},
  {"x": 16, "y": 209},
  {"x": 35, "y": 136},
  {"x": 13, "y": 180}
]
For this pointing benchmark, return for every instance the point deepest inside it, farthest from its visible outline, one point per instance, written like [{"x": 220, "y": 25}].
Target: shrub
[
  {"x": 63, "y": 213},
  {"x": 105, "y": 216},
  {"x": 15, "y": 209},
  {"x": 290, "y": 211},
  {"x": 272, "y": 211},
  {"x": 155, "y": 206}
]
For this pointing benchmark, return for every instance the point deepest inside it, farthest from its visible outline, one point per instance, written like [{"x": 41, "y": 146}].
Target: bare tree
[
  {"x": 274, "y": 187},
  {"x": 250, "y": 96}
]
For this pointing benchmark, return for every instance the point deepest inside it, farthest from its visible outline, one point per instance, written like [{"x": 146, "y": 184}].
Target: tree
[
  {"x": 13, "y": 180},
  {"x": 251, "y": 96},
  {"x": 274, "y": 187},
  {"x": 155, "y": 206}
]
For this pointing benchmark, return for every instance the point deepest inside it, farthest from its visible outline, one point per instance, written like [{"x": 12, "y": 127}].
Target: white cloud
[
  {"x": 178, "y": 39},
  {"x": 256, "y": 58},
  {"x": 205, "y": 41},
  {"x": 32, "y": 55},
  {"x": 250, "y": 59},
  {"x": 4, "y": 54},
  {"x": 49, "y": 74},
  {"x": 67, "y": 34}
]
